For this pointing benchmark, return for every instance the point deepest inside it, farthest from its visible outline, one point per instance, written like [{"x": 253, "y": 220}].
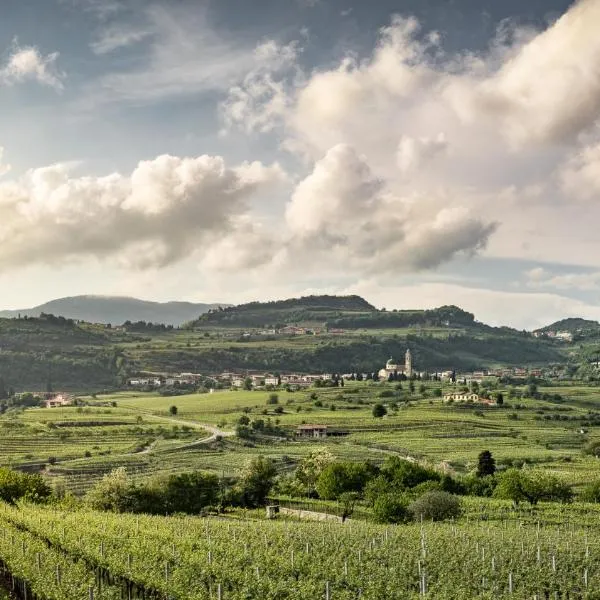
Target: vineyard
[{"x": 51, "y": 554}]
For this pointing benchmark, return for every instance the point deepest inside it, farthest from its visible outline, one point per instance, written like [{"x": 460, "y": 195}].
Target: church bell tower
[{"x": 408, "y": 364}]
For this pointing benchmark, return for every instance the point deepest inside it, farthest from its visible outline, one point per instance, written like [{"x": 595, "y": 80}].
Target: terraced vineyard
[{"x": 66, "y": 556}]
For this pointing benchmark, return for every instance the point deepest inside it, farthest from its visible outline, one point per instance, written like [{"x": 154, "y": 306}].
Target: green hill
[
  {"x": 572, "y": 325},
  {"x": 307, "y": 310},
  {"x": 70, "y": 355}
]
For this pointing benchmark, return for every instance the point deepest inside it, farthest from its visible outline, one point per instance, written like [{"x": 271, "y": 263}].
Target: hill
[
  {"x": 572, "y": 325},
  {"x": 308, "y": 310},
  {"x": 116, "y": 310}
]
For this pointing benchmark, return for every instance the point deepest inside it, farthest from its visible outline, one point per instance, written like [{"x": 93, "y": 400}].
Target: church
[{"x": 391, "y": 366}]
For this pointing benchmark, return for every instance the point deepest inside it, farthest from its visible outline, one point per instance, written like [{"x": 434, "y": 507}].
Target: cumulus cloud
[
  {"x": 550, "y": 90},
  {"x": 581, "y": 175},
  {"x": 341, "y": 207},
  {"x": 165, "y": 210},
  {"x": 28, "y": 63},
  {"x": 413, "y": 153},
  {"x": 260, "y": 102}
]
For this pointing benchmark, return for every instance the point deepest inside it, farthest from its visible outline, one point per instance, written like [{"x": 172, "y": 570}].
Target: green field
[
  {"x": 492, "y": 552},
  {"x": 140, "y": 433}
]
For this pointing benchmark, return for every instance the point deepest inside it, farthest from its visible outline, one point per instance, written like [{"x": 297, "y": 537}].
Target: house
[
  {"x": 462, "y": 397},
  {"x": 271, "y": 380},
  {"x": 59, "y": 400},
  {"x": 312, "y": 431},
  {"x": 237, "y": 382}
]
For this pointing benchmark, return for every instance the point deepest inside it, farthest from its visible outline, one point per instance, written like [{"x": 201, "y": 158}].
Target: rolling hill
[{"x": 116, "y": 310}]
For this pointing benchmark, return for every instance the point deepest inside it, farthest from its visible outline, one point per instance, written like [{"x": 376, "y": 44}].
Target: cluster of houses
[{"x": 564, "y": 336}]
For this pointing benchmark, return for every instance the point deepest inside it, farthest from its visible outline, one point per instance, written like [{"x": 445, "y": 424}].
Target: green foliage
[
  {"x": 379, "y": 410},
  {"x": 311, "y": 467},
  {"x": 404, "y": 474},
  {"x": 390, "y": 508},
  {"x": 256, "y": 481},
  {"x": 340, "y": 477},
  {"x": 519, "y": 486},
  {"x": 273, "y": 399},
  {"x": 486, "y": 465},
  {"x": 15, "y": 486},
  {"x": 173, "y": 410},
  {"x": 591, "y": 492},
  {"x": 480, "y": 486},
  {"x": 435, "y": 506}
]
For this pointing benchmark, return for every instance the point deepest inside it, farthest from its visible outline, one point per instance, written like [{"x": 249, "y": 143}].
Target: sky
[{"x": 416, "y": 152}]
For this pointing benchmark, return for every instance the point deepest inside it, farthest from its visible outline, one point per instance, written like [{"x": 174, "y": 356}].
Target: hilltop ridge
[{"x": 115, "y": 310}]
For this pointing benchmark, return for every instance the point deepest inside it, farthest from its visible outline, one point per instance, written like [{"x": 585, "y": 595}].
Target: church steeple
[{"x": 408, "y": 364}]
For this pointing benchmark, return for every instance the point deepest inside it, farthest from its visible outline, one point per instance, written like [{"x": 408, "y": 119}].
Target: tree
[
  {"x": 348, "y": 501},
  {"x": 435, "y": 506},
  {"x": 189, "y": 492},
  {"x": 173, "y": 410},
  {"x": 390, "y": 508},
  {"x": 248, "y": 384},
  {"x": 256, "y": 481},
  {"x": 3, "y": 391},
  {"x": 379, "y": 410},
  {"x": 15, "y": 485},
  {"x": 486, "y": 465},
  {"x": 312, "y": 466},
  {"x": 341, "y": 477},
  {"x": 273, "y": 399},
  {"x": 499, "y": 399}
]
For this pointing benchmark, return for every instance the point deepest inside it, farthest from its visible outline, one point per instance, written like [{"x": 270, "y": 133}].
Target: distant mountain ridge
[{"x": 115, "y": 310}]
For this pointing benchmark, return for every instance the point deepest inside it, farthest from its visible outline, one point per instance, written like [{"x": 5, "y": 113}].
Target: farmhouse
[
  {"x": 464, "y": 397},
  {"x": 59, "y": 400},
  {"x": 312, "y": 431}
]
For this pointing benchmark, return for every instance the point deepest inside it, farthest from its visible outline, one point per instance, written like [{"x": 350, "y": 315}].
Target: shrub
[
  {"x": 435, "y": 506},
  {"x": 273, "y": 399},
  {"x": 390, "y": 508},
  {"x": 379, "y": 410},
  {"x": 318, "y": 403},
  {"x": 591, "y": 492},
  {"x": 15, "y": 485},
  {"x": 386, "y": 394},
  {"x": 279, "y": 410},
  {"x": 340, "y": 477}
]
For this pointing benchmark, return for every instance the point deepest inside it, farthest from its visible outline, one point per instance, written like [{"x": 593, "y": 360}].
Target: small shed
[{"x": 312, "y": 431}]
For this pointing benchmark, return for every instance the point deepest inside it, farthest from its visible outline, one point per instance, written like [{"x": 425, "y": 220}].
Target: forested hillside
[{"x": 36, "y": 354}]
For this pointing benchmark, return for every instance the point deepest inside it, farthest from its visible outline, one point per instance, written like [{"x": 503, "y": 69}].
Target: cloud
[
  {"x": 166, "y": 210},
  {"x": 581, "y": 175},
  {"x": 260, "y": 102},
  {"x": 541, "y": 278},
  {"x": 117, "y": 36},
  {"x": 414, "y": 153},
  {"x": 27, "y": 63},
  {"x": 343, "y": 208},
  {"x": 185, "y": 56},
  {"x": 550, "y": 90}
]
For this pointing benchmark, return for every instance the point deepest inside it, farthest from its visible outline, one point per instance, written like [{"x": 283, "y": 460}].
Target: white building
[{"x": 392, "y": 367}]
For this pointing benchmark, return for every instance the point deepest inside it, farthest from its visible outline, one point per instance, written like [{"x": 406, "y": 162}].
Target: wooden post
[{"x": 327, "y": 590}]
